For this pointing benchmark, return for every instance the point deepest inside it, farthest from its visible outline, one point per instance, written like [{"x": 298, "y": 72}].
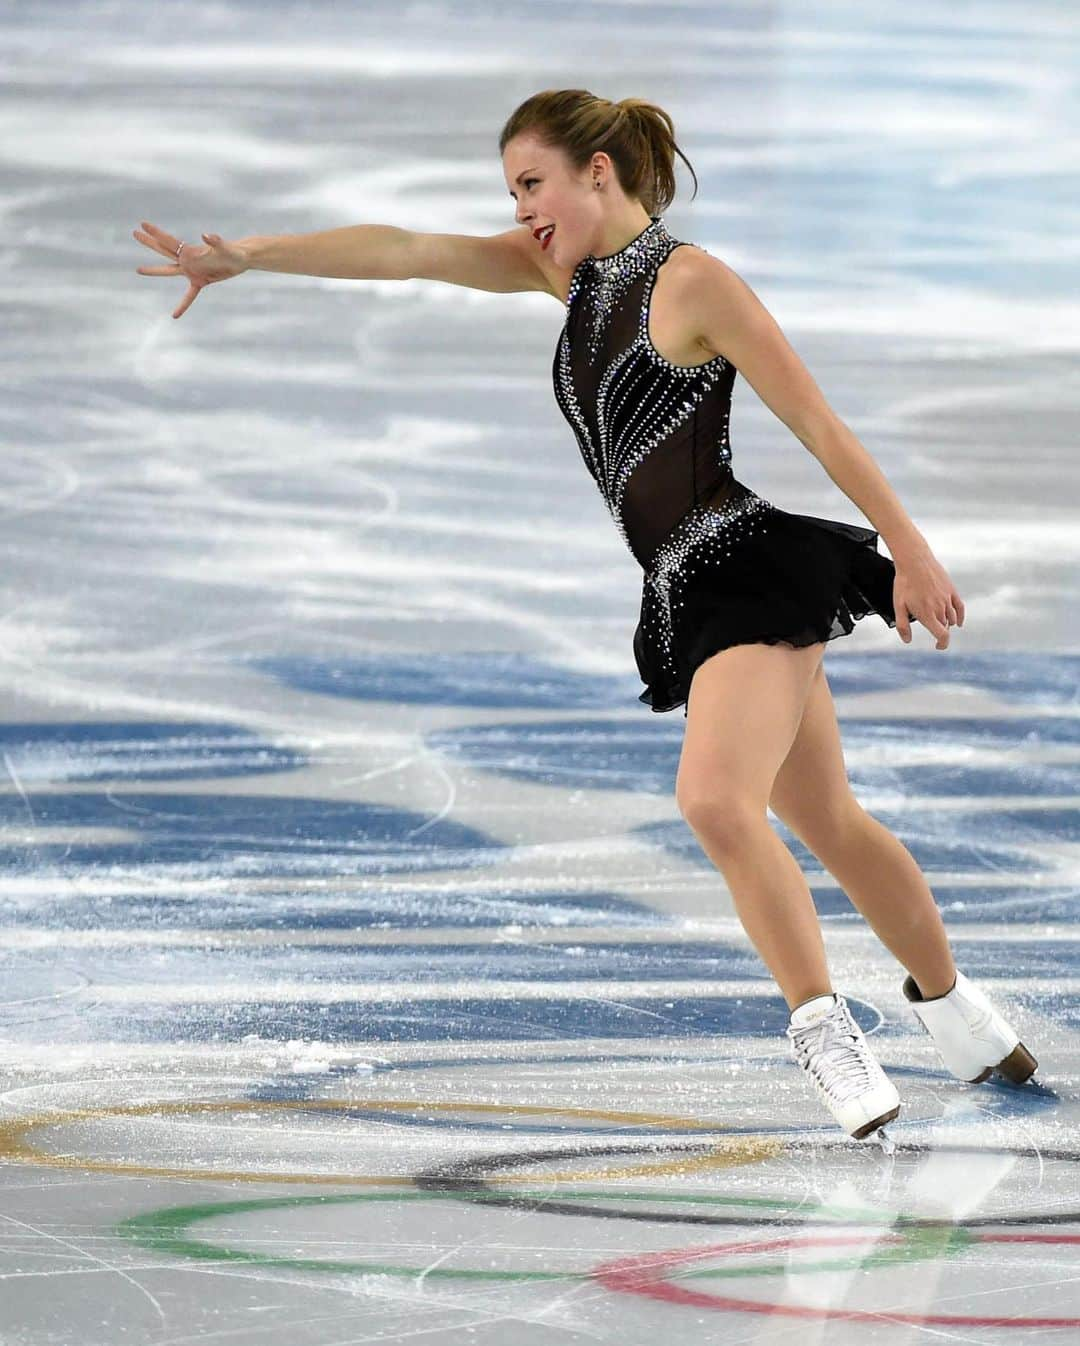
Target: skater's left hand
[{"x": 924, "y": 592}]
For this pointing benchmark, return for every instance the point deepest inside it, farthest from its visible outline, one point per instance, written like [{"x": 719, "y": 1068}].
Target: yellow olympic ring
[{"x": 15, "y": 1147}]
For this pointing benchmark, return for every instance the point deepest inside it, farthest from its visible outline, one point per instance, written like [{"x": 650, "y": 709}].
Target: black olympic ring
[{"x": 465, "y": 1178}]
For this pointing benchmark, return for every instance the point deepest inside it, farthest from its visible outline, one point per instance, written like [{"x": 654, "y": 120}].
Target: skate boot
[
  {"x": 971, "y": 1036},
  {"x": 831, "y": 1048}
]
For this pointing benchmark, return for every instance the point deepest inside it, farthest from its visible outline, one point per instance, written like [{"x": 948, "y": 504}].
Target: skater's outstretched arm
[{"x": 502, "y": 263}]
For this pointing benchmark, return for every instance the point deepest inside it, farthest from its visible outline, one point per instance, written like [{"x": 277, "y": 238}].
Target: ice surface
[{"x": 359, "y": 979}]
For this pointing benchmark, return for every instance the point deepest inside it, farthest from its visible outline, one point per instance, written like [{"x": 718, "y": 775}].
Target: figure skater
[{"x": 739, "y": 597}]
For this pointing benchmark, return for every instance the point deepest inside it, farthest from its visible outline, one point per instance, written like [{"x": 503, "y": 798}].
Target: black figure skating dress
[{"x": 723, "y": 566}]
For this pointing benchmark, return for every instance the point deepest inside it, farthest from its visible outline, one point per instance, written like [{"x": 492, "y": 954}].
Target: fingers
[
  {"x": 155, "y": 238},
  {"x": 187, "y": 301},
  {"x": 939, "y": 627},
  {"x": 950, "y": 610},
  {"x": 903, "y": 621},
  {"x": 953, "y": 616}
]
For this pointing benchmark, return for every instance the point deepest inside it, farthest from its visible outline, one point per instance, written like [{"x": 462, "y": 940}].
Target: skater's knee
[{"x": 722, "y": 817}]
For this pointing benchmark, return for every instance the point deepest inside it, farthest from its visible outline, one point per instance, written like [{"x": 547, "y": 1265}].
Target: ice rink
[{"x": 361, "y": 981}]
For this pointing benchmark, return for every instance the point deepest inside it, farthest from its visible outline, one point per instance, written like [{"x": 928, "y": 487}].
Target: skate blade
[
  {"x": 878, "y": 1121},
  {"x": 1018, "y": 1066}
]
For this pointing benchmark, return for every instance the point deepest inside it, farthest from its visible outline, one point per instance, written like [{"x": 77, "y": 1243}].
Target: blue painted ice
[{"x": 359, "y": 978}]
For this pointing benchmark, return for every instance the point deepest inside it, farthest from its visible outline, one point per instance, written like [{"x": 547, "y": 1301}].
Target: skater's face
[{"x": 548, "y": 191}]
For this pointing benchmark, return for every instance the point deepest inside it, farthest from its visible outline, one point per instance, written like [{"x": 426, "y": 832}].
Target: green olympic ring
[{"x": 166, "y": 1232}]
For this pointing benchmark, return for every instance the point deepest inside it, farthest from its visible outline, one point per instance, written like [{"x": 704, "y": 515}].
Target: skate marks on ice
[
  {"x": 459, "y": 1086},
  {"x": 472, "y": 1097},
  {"x": 561, "y": 1214}
]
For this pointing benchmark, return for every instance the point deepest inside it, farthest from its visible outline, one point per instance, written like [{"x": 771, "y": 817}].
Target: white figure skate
[
  {"x": 831, "y": 1048},
  {"x": 971, "y": 1036}
]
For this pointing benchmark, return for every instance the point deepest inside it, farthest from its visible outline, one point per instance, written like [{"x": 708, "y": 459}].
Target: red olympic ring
[{"x": 644, "y": 1274}]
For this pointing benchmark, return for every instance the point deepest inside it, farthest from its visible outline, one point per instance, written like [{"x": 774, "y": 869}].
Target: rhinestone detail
[
  {"x": 642, "y": 403},
  {"x": 704, "y": 537}
]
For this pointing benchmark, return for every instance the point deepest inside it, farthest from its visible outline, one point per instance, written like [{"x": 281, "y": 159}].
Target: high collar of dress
[{"x": 653, "y": 241}]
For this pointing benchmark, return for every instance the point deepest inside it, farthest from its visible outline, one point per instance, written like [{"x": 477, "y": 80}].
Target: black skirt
[{"x": 757, "y": 574}]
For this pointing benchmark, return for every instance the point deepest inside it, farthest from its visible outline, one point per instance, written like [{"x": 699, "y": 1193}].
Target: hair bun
[{"x": 639, "y": 139}]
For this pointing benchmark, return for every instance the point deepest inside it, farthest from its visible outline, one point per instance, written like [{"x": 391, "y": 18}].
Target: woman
[{"x": 739, "y": 597}]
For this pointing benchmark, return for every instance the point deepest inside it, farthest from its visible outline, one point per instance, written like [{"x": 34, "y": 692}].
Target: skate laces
[{"x": 834, "y": 1052}]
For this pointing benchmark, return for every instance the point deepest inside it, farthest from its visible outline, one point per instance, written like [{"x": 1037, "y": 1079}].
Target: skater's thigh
[
  {"x": 811, "y": 792},
  {"x": 742, "y": 715}
]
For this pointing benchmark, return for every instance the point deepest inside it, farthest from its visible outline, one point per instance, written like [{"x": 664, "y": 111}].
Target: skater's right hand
[{"x": 202, "y": 266}]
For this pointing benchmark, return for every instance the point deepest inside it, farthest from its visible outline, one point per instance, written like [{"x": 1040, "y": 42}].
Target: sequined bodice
[{"x": 653, "y": 434}]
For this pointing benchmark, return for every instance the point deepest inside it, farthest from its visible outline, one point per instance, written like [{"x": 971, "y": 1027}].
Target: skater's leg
[
  {"x": 811, "y": 794},
  {"x": 743, "y": 712}
]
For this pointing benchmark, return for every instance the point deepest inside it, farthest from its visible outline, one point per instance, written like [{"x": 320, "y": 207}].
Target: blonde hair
[{"x": 639, "y": 137}]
